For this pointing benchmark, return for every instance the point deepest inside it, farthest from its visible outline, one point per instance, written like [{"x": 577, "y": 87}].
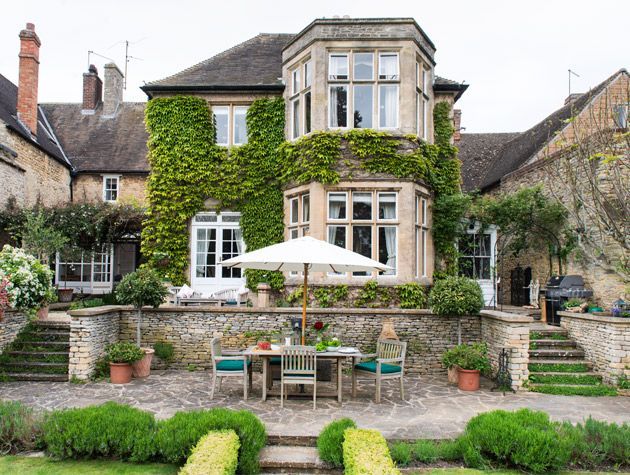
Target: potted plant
[
  {"x": 140, "y": 288},
  {"x": 121, "y": 356},
  {"x": 471, "y": 360},
  {"x": 449, "y": 359}
]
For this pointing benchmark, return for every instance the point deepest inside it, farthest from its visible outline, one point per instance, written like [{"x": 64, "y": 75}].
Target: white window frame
[
  {"x": 305, "y": 195},
  {"x": 105, "y": 189},
  {"x": 425, "y": 77},
  {"x": 425, "y": 119},
  {"x": 354, "y": 85},
  {"x": 378, "y": 115},
  {"x": 234, "y": 109},
  {"x": 378, "y": 194},
  {"x": 308, "y": 74},
  {"x": 305, "y": 113},
  {"x": 345, "y": 193},
  {"x": 421, "y": 235},
  {"x": 340, "y": 54},
  {"x": 295, "y": 132},
  {"x": 227, "y": 112},
  {"x": 349, "y": 118},
  {"x": 389, "y": 53},
  {"x": 371, "y": 79},
  {"x": 294, "y": 219},
  {"x": 396, "y": 227},
  {"x": 296, "y": 84}
]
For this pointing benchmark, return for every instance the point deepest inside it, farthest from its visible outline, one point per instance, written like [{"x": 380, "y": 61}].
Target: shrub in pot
[
  {"x": 471, "y": 360},
  {"x": 140, "y": 288},
  {"x": 121, "y": 356},
  {"x": 449, "y": 361}
]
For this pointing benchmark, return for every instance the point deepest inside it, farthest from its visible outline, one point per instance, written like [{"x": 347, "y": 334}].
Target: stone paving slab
[{"x": 433, "y": 408}]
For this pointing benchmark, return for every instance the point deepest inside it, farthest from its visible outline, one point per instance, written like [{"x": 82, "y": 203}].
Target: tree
[{"x": 39, "y": 238}]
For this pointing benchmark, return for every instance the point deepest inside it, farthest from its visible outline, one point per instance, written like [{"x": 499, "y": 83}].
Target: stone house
[
  {"x": 335, "y": 74},
  {"x": 550, "y": 153}
]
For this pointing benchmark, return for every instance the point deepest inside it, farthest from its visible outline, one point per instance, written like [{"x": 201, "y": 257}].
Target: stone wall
[
  {"x": 605, "y": 341},
  {"x": 88, "y": 188},
  {"x": 11, "y": 324},
  {"x": 91, "y": 330},
  {"x": 504, "y": 330}
]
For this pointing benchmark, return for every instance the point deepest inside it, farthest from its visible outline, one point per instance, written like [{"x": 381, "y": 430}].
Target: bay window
[{"x": 422, "y": 99}]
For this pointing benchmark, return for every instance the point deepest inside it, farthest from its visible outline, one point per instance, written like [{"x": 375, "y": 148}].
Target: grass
[
  {"x": 552, "y": 336},
  {"x": 600, "y": 390},
  {"x": 47, "y": 466},
  {"x": 472, "y": 471},
  {"x": 558, "y": 367},
  {"x": 586, "y": 379}
]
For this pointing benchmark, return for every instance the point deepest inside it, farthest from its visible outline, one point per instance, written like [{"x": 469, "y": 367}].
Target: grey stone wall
[
  {"x": 504, "y": 330},
  {"x": 605, "y": 341},
  {"x": 11, "y": 324},
  {"x": 91, "y": 330}
]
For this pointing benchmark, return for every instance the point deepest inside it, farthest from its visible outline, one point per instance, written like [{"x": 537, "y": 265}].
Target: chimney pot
[
  {"x": 92, "y": 89},
  {"x": 113, "y": 95},
  {"x": 30, "y": 26},
  {"x": 28, "y": 77}
]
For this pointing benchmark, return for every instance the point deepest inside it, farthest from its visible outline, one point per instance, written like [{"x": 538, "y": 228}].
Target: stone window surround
[
  {"x": 109, "y": 188},
  {"x": 298, "y": 225},
  {"x": 423, "y": 80},
  {"x": 421, "y": 234},
  {"x": 299, "y": 90},
  {"x": 232, "y": 107}
]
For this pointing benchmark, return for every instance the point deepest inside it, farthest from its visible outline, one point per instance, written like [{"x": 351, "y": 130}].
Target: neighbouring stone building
[{"x": 557, "y": 153}]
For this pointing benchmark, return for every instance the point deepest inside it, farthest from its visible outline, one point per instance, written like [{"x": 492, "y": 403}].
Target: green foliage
[
  {"x": 524, "y": 439},
  {"x": 312, "y": 158},
  {"x": 330, "y": 441},
  {"x": 373, "y": 295},
  {"x": 586, "y": 379},
  {"x": 108, "y": 430},
  {"x": 164, "y": 351},
  {"x": 215, "y": 454},
  {"x": 411, "y": 295},
  {"x": 179, "y": 434},
  {"x": 425, "y": 451},
  {"x": 472, "y": 356},
  {"x": 140, "y": 288},
  {"x": 28, "y": 465},
  {"x": 87, "y": 303},
  {"x": 124, "y": 352},
  {"x": 29, "y": 281},
  {"x": 329, "y": 296},
  {"x": 456, "y": 296},
  {"x": 365, "y": 452},
  {"x": 558, "y": 367},
  {"x": 449, "y": 212},
  {"x": 599, "y": 390},
  {"x": 20, "y": 427},
  {"x": 401, "y": 453},
  {"x": 39, "y": 238}
]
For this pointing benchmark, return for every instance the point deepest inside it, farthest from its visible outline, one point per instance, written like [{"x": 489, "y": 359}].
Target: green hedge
[
  {"x": 20, "y": 428},
  {"x": 215, "y": 454},
  {"x": 178, "y": 435},
  {"x": 330, "y": 441},
  {"x": 365, "y": 452}
]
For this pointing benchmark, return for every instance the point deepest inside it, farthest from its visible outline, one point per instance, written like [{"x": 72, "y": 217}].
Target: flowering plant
[
  {"x": 4, "y": 296},
  {"x": 29, "y": 282}
]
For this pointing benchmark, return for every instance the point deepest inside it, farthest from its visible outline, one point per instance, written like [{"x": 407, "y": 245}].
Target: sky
[{"x": 514, "y": 55}]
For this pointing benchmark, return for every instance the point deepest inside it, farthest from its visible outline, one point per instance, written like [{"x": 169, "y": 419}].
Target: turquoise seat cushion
[
  {"x": 231, "y": 365},
  {"x": 371, "y": 367},
  {"x": 276, "y": 360}
]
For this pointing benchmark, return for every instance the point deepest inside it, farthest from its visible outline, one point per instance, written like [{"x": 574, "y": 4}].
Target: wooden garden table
[{"x": 266, "y": 356}]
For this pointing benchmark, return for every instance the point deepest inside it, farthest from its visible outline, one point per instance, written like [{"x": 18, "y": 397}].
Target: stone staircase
[
  {"x": 294, "y": 455},
  {"x": 557, "y": 365},
  {"x": 39, "y": 353}
]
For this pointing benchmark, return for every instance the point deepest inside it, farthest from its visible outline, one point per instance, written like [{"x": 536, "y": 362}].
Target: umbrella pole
[{"x": 304, "y": 295}]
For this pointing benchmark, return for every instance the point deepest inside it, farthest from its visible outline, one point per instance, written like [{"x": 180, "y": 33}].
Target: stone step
[
  {"x": 35, "y": 376},
  {"x": 41, "y": 354},
  {"x": 294, "y": 460},
  {"x": 557, "y": 354},
  {"x": 550, "y": 344},
  {"x": 292, "y": 440},
  {"x": 56, "y": 344},
  {"x": 557, "y": 373},
  {"x": 549, "y": 332},
  {"x": 52, "y": 324},
  {"x": 533, "y": 360},
  {"x": 43, "y": 364},
  {"x": 561, "y": 379}
]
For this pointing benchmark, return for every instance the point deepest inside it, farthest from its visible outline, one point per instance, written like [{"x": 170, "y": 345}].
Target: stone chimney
[
  {"x": 457, "y": 125},
  {"x": 113, "y": 89},
  {"x": 29, "y": 78},
  {"x": 92, "y": 90}
]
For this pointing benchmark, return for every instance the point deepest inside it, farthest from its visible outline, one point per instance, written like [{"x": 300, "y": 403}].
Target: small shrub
[
  {"x": 449, "y": 451},
  {"x": 124, "y": 352},
  {"x": 178, "y": 435},
  {"x": 523, "y": 439},
  {"x": 365, "y": 452},
  {"x": 140, "y": 288},
  {"x": 20, "y": 427},
  {"x": 472, "y": 356},
  {"x": 401, "y": 453},
  {"x": 87, "y": 303},
  {"x": 164, "y": 351},
  {"x": 215, "y": 454},
  {"x": 425, "y": 451},
  {"x": 456, "y": 296},
  {"x": 330, "y": 441},
  {"x": 108, "y": 430}
]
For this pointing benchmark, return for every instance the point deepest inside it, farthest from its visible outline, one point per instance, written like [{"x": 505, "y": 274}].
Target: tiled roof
[
  {"x": 441, "y": 84},
  {"x": 94, "y": 143},
  {"x": 253, "y": 64},
  {"x": 44, "y": 140}
]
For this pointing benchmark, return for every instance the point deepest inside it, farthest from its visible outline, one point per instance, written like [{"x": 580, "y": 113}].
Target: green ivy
[
  {"x": 312, "y": 158},
  {"x": 412, "y": 295},
  {"x": 330, "y": 295}
]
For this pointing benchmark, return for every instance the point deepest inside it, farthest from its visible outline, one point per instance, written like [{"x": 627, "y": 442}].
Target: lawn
[{"x": 47, "y": 466}]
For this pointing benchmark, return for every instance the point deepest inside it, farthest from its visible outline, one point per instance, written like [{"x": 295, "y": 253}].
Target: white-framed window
[
  {"x": 388, "y": 106},
  {"x": 294, "y": 207},
  {"x": 425, "y": 79},
  {"x": 301, "y": 78},
  {"x": 307, "y": 112},
  {"x": 338, "y": 106},
  {"x": 306, "y": 208},
  {"x": 369, "y": 227},
  {"x": 222, "y": 124},
  {"x": 363, "y": 66},
  {"x": 421, "y": 235},
  {"x": 240, "y": 125},
  {"x": 476, "y": 255},
  {"x": 620, "y": 115},
  {"x": 363, "y": 97},
  {"x": 111, "y": 188},
  {"x": 299, "y": 215},
  {"x": 295, "y": 118},
  {"x": 295, "y": 81},
  {"x": 388, "y": 67},
  {"x": 308, "y": 74},
  {"x": 338, "y": 67},
  {"x": 231, "y": 124},
  {"x": 422, "y": 100},
  {"x": 89, "y": 272}
]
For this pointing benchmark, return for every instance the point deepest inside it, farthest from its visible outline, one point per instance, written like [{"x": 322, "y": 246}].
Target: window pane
[
  {"x": 424, "y": 80},
  {"x": 424, "y": 252},
  {"x": 424, "y": 212},
  {"x": 230, "y": 248},
  {"x": 363, "y": 107},
  {"x": 338, "y": 106},
  {"x": 308, "y": 71},
  {"x": 337, "y": 236},
  {"x": 466, "y": 267},
  {"x": 387, "y": 206},
  {"x": 221, "y": 120},
  {"x": 388, "y": 106},
  {"x": 294, "y": 210},
  {"x": 240, "y": 125},
  {"x": 363, "y": 66},
  {"x": 307, "y": 112},
  {"x": 387, "y": 247},
  {"x": 296, "y": 81},
  {"x": 296, "y": 119},
  {"x": 338, "y": 66},
  {"x": 388, "y": 66},
  {"x": 362, "y": 242},
  {"x": 293, "y": 234},
  {"x": 425, "y": 120},
  {"x": 361, "y": 205},
  {"x": 336, "y": 205},
  {"x": 306, "y": 208}
]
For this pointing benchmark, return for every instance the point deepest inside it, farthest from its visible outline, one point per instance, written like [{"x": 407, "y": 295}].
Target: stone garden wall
[
  {"x": 605, "y": 341},
  {"x": 11, "y": 324},
  {"x": 505, "y": 330},
  {"x": 91, "y": 330}
]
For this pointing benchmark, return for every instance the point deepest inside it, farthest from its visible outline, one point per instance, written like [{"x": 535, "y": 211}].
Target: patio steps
[
  {"x": 293, "y": 459},
  {"x": 557, "y": 365},
  {"x": 39, "y": 353}
]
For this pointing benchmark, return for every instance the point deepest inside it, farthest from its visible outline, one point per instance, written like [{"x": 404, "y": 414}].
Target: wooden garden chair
[
  {"x": 299, "y": 366},
  {"x": 389, "y": 364},
  {"x": 229, "y": 366}
]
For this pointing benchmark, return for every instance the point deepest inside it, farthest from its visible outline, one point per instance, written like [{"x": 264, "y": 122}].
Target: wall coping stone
[
  {"x": 597, "y": 318},
  {"x": 96, "y": 311},
  {"x": 506, "y": 317}
]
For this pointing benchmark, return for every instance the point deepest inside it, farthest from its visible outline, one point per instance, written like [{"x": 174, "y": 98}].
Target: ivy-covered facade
[{"x": 341, "y": 132}]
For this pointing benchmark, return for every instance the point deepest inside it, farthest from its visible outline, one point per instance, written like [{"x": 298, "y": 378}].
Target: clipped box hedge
[
  {"x": 215, "y": 454},
  {"x": 365, "y": 452}
]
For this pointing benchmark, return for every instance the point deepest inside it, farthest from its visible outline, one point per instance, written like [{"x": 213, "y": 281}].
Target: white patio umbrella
[{"x": 305, "y": 254}]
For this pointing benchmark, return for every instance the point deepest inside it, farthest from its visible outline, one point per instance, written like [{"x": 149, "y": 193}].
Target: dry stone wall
[
  {"x": 605, "y": 341},
  {"x": 11, "y": 324},
  {"x": 504, "y": 330}
]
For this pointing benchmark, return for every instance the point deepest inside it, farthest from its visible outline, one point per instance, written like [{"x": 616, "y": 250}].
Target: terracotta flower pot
[
  {"x": 42, "y": 313},
  {"x": 120, "y": 373},
  {"x": 142, "y": 368},
  {"x": 468, "y": 379},
  {"x": 453, "y": 374}
]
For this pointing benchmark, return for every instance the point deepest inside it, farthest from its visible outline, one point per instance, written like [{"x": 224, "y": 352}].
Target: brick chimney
[
  {"x": 92, "y": 89},
  {"x": 457, "y": 125},
  {"x": 113, "y": 89},
  {"x": 29, "y": 78}
]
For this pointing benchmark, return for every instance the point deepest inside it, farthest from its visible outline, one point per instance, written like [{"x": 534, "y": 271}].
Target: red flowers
[{"x": 319, "y": 326}]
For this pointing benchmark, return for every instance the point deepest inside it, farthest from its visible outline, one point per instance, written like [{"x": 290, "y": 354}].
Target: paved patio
[{"x": 433, "y": 408}]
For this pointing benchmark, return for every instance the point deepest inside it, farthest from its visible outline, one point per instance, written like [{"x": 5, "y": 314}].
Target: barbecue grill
[{"x": 561, "y": 288}]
